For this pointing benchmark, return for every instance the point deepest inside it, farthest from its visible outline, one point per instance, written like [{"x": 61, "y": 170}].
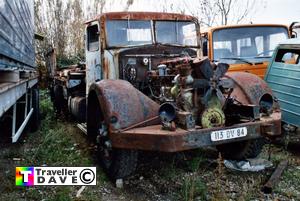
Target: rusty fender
[
  {"x": 248, "y": 88},
  {"x": 122, "y": 104}
]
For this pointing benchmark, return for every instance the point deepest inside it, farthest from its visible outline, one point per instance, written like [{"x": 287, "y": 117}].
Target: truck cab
[
  {"x": 127, "y": 45},
  {"x": 246, "y": 48}
]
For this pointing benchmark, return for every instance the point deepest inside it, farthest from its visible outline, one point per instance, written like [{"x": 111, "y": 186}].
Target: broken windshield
[
  {"x": 128, "y": 32},
  {"x": 247, "y": 42},
  {"x": 176, "y": 32},
  {"x": 139, "y": 32}
]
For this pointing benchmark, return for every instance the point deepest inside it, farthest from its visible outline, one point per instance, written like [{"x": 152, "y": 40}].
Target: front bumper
[{"x": 152, "y": 138}]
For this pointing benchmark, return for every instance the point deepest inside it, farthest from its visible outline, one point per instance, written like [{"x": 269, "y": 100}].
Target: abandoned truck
[
  {"x": 19, "y": 98},
  {"x": 246, "y": 48},
  {"x": 144, "y": 87}
]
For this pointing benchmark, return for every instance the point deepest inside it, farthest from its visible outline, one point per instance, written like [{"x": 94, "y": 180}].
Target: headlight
[{"x": 266, "y": 103}]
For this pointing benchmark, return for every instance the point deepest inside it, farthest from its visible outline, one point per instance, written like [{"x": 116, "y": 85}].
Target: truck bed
[{"x": 11, "y": 92}]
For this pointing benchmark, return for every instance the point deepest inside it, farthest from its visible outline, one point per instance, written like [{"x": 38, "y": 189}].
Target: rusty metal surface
[
  {"x": 274, "y": 179},
  {"x": 248, "y": 87},
  {"x": 122, "y": 104},
  {"x": 271, "y": 130},
  {"x": 154, "y": 139},
  {"x": 152, "y": 121},
  {"x": 143, "y": 16}
]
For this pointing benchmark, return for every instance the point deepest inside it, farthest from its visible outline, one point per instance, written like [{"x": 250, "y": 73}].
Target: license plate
[{"x": 228, "y": 134}]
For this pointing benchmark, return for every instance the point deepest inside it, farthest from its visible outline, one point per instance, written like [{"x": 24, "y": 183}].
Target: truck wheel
[
  {"x": 242, "y": 150},
  {"x": 35, "y": 117},
  {"x": 58, "y": 99},
  {"x": 59, "y": 103},
  {"x": 117, "y": 163}
]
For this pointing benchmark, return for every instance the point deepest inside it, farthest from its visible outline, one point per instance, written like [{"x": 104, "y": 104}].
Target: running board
[{"x": 82, "y": 127}]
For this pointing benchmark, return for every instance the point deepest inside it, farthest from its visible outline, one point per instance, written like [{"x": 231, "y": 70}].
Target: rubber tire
[
  {"x": 242, "y": 150},
  {"x": 58, "y": 99},
  {"x": 124, "y": 163},
  {"x": 35, "y": 120}
]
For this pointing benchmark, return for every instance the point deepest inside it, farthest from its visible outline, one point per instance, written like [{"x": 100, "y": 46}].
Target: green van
[{"x": 283, "y": 77}]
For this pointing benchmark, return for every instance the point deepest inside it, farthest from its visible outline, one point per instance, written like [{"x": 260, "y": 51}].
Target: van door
[
  {"x": 93, "y": 53},
  {"x": 283, "y": 78}
]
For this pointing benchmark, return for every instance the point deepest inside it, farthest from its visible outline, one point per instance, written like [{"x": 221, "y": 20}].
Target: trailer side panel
[{"x": 16, "y": 34}]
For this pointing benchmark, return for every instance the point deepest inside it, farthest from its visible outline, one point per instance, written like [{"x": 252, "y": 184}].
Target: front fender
[
  {"x": 248, "y": 88},
  {"x": 122, "y": 104}
]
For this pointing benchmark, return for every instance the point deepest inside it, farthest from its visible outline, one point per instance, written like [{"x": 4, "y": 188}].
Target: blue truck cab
[{"x": 283, "y": 77}]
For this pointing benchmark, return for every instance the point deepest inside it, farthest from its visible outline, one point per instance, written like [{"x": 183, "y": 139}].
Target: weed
[
  {"x": 63, "y": 194},
  {"x": 170, "y": 172},
  {"x": 193, "y": 187},
  {"x": 220, "y": 194},
  {"x": 46, "y": 108},
  {"x": 195, "y": 162}
]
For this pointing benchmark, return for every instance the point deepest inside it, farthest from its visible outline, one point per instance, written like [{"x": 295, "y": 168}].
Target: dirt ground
[{"x": 196, "y": 175}]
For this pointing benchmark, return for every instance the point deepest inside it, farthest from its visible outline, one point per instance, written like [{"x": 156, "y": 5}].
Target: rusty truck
[
  {"x": 246, "y": 48},
  {"x": 19, "y": 95},
  {"x": 145, "y": 86}
]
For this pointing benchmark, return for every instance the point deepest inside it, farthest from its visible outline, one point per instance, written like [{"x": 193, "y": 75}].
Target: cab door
[{"x": 93, "y": 54}]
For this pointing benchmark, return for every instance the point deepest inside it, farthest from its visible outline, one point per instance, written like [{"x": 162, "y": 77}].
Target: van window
[
  {"x": 288, "y": 56},
  {"x": 93, "y": 38},
  {"x": 247, "y": 42}
]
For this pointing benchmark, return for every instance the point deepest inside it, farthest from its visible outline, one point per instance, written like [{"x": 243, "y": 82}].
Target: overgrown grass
[
  {"x": 290, "y": 178},
  {"x": 193, "y": 187},
  {"x": 55, "y": 144}
]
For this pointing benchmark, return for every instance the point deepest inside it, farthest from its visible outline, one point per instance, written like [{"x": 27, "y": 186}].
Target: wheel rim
[{"x": 105, "y": 151}]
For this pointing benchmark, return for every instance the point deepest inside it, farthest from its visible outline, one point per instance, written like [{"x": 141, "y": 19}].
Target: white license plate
[{"x": 228, "y": 134}]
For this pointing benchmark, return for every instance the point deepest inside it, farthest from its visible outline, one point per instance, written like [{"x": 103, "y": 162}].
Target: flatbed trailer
[{"x": 19, "y": 95}]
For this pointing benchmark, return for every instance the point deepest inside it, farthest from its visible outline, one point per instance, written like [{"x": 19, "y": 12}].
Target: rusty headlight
[{"x": 266, "y": 103}]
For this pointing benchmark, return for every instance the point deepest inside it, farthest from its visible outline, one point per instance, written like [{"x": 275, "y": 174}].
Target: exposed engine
[{"x": 193, "y": 93}]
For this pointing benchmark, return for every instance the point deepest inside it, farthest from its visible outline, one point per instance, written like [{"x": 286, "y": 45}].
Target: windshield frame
[
  {"x": 153, "y": 34},
  {"x": 261, "y": 26},
  {"x": 106, "y": 37},
  {"x": 176, "y": 44}
]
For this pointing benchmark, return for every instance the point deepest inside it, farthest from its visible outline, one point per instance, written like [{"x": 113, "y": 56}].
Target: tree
[
  {"x": 214, "y": 12},
  {"x": 234, "y": 10},
  {"x": 51, "y": 19},
  {"x": 76, "y": 29},
  {"x": 62, "y": 21}
]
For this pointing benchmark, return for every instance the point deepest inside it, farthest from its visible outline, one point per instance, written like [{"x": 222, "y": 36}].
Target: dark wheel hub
[{"x": 104, "y": 147}]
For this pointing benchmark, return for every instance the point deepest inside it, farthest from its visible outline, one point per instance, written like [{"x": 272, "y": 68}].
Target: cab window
[{"x": 93, "y": 38}]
